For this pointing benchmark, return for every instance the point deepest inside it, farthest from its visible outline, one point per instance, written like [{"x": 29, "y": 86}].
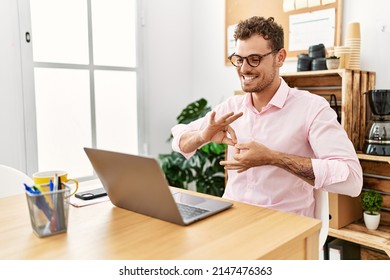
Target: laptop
[{"x": 138, "y": 184}]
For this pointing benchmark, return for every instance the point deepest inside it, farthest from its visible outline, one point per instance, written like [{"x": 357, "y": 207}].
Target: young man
[{"x": 283, "y": 142}]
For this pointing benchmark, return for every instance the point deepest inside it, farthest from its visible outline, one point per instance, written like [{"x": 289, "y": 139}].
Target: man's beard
[{"x": 262, "y": 85}]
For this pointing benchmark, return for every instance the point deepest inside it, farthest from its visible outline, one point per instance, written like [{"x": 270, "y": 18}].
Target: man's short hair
[{"x": 267, "y": 28}]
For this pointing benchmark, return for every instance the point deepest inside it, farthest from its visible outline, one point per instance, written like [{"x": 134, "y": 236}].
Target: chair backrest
[
  {"x": 12, "y": 180},
  {"x": 321, "y": 212}
]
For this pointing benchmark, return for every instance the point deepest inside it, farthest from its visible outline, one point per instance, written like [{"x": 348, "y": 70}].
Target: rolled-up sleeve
[
  {"x": 338, "y": 176},
  {"x": 336, "y": 166}
]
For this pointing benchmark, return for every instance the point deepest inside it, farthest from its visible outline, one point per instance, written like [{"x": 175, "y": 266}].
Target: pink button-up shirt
[{"x": 294, "y": 122}]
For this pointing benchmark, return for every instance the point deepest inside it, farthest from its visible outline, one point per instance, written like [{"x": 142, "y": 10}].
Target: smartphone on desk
[{"x": 91, "y": 194}]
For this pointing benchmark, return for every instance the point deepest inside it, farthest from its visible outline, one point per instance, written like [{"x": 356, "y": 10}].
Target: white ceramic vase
[
  {"x": 371, "y": 221},
  {"x": 332, "y": 63}
]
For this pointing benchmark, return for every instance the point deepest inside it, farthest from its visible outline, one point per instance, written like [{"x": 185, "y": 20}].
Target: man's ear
[{"x": 281, "y": 57}]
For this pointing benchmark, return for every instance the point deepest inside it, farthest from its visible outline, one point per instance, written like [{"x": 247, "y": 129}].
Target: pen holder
[{"x": 49, "y": 211}]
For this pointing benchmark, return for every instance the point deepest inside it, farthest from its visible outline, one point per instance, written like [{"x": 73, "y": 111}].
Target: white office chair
[
  {"x": 321, "y": 212},
  {"x": 12, "y": 180}
]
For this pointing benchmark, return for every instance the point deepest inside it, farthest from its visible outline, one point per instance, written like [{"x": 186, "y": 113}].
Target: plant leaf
[{"x": 193, "y": 111}]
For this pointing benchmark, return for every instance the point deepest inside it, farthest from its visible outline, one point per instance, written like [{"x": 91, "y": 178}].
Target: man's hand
[
  {"x": 220, "y": 131},
  {"x": 248, "y": 155},
  {"x": 253, "y": 154}
]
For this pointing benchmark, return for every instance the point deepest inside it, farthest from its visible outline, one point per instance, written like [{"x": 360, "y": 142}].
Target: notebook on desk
[{"x": 137, "y": 183}]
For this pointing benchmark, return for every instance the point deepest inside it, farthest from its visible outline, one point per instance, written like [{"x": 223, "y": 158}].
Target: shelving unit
[
  {"x": 374, "y": 158},
  {"x": 358, "y": 233},
  {"x": 349, "y": 87}
]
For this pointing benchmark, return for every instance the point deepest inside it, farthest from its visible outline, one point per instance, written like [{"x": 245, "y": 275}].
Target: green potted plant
[
  {"x": 202, "y": 171},
  {"x": 371, "y": 203},
  {"x": 332, "y": 62}
]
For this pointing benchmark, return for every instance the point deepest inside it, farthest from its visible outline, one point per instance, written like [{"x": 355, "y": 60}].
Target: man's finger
[
  {"x": 232, "y": 134},
  {"x": 228, "y": 141},
  {"x": 234, "y": 117}
]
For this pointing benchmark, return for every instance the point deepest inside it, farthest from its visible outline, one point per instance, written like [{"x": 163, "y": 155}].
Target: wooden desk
[{"x": 103, "y": 231}]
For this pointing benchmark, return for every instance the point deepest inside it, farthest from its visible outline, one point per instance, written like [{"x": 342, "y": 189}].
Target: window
[{"x": 85, "y": 77}]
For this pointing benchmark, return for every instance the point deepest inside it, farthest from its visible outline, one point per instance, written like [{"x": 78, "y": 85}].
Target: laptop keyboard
[{"x": 189, "y": 212}]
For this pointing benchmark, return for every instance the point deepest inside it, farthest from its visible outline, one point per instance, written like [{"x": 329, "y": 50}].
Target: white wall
[
  {"x": 211, "y": 79},
  {"x": 373, "y": 17},
  {"x": 183, "y": 60},
  {"x": 167, "y": 68}
]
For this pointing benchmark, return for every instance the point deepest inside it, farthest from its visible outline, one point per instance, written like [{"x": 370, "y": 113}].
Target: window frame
[{"x": 28, "y": 66}]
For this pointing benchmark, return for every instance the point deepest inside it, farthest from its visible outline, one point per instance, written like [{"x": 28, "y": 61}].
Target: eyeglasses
[{"x": 253, "y": 59}]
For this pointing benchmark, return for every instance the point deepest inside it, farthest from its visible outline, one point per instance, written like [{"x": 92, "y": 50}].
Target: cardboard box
[{"x": 343, "y": 210}]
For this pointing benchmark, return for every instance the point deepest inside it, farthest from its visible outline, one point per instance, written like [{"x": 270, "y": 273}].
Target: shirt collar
[
  {"x": 280, "y": 97},
  {"x": 278, "y": 100}
]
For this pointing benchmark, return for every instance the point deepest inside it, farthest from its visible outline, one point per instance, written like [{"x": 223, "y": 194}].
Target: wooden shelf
[
  {"x": 358, "y": 233},
  {"x": 373, "y": 158},
  {"x": 313, "y": 73}
]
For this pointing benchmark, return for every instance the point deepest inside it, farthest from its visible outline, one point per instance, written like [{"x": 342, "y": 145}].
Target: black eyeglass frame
[{"x": 246, "y": 58}]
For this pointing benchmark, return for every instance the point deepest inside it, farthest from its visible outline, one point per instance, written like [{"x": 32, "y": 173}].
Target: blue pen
[
  {"x": 38, "y": 189},
  {"x": 40, "y": 201},
  {"x": 51, "y": 185},
  {"x": 30, "y": 190}
]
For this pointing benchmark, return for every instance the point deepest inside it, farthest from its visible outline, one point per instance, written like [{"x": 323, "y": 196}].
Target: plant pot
[
  {"x": 372, "y": 221},
  {"x": 332, "y": 63}
]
